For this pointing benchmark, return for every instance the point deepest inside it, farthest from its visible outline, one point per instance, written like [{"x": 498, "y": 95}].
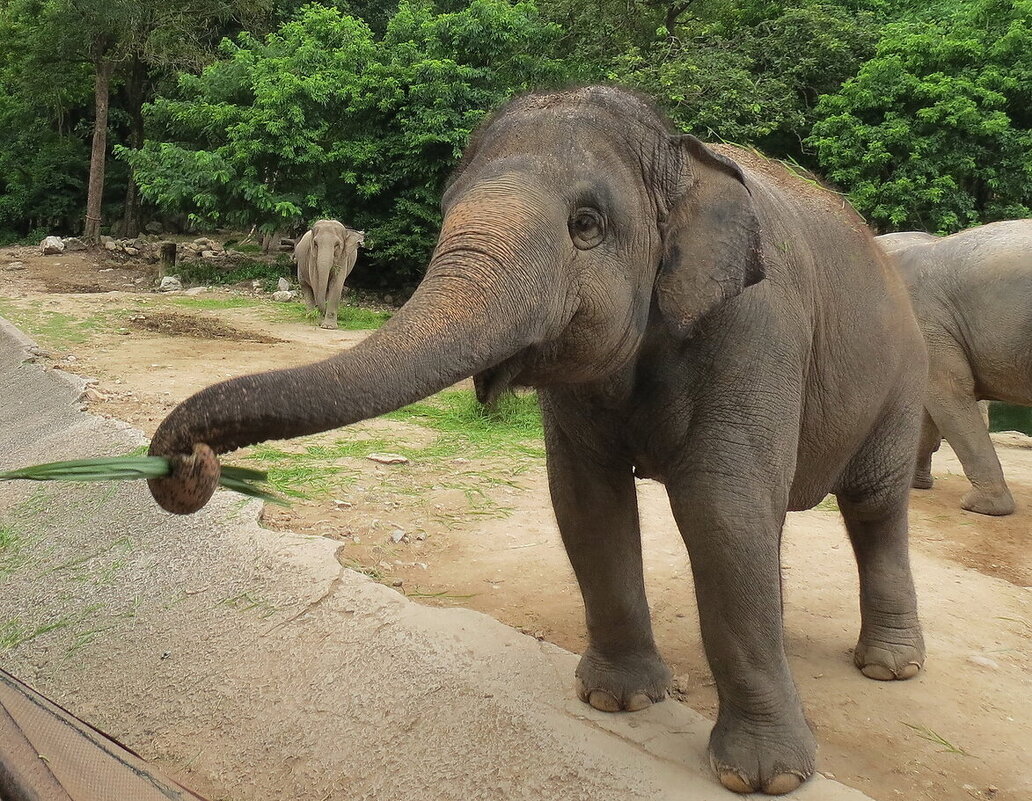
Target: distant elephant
[
  {"x": 325, "y": 256},
  {"x": 972, "y": 293},
  {"x": 693, "y": 314}
]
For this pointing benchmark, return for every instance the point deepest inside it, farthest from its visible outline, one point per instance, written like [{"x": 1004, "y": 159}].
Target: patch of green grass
[
  {"x": 349, "y": 317},
  {"x": 54, "y": 329},
  {"x": 214, "y": 304},
  {"x": 829, "y": 504},
  {"x": 511, "y": 426},
  {"x": 14, "y": 633},
  {"x": 12, "y": 550}
]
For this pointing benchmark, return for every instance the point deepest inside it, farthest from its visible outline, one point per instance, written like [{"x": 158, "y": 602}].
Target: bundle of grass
[{"x": 122, "y": 468}]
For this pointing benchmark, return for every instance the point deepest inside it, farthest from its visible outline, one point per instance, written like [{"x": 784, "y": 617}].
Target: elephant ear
[{"x": 712, "y": 247}]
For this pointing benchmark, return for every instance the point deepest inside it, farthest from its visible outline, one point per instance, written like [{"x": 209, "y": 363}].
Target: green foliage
[
  {"x": 206, "y": 272},
  {"x": 934, "y": 131},
  {"x": 751, "y": 77},
  {"x": 322, "y": 119}
]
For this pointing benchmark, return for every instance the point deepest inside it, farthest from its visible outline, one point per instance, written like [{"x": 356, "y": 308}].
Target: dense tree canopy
[{"x": 270, "y": 114}]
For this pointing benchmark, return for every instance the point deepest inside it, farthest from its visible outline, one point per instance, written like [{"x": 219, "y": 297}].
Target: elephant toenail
[
  {"x": 735, "y": 781},
  {"x": 782, "y": 783},
  {"x": 604, "y": 701},
  {"x": 878, "y": 672},
  {"x": 909, "y": 670},
  {"x": 637, "y": 702}
]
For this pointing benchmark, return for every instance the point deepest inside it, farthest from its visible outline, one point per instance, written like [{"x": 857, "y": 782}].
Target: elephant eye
[{"x": 587, "y": 228}]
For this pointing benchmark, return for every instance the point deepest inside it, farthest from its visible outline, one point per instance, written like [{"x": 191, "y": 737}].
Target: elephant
[
  {"x": 970, "y": 292},
  {"x": 325, "y": 256},
  {"x": 688, "y": 313}
]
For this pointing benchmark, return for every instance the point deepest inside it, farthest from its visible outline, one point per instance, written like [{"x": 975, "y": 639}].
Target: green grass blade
[{"x": 244, "y": 480}]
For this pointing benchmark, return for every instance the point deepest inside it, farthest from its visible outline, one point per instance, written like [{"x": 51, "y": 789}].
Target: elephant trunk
[
  {"x": 448, "y": 331},
  {"x": 323, "y": 268}
]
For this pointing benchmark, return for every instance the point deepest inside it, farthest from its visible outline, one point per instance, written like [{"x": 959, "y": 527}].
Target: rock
[
  {"x": 983, "y": 661},
  {"x": 208, "y": 254},
  {"x": 154, "y": 227},
  {"x": 108, "y": 243},
  {"x": 283, "y": 297},
  {"x": 14, "y": 265},
  {"x": 397, "y": 535},
  {"x": 283, "y": 285},
  {"x": 151, "y": 257},
  {"x": 387, "y": 458},
  {"x": 131, "y": 251},
  {"x": 71, "y": 358},
  {"x": 170, "y": 283},
  {"x": 93, "y": 395},
  {"x": 196, "y": 290},
  {"x": 73, "y": 243},
  {"x": 51, "y": 245}
]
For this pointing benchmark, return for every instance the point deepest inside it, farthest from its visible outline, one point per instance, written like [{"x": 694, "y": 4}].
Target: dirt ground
[{"x": 477, "y": 530}]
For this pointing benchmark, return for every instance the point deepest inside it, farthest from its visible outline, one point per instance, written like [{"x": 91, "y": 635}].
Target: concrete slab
[{"x": 251, "y": 664}]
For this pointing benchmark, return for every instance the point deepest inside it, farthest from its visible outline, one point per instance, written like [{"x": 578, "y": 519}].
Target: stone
[
  {"x": 51, "y": 245},
  {"x": 208, "y": 254},
  {"x": 387, "y": 458},
  {"x": 108, "y": 243},
  {"x": 283, "y": 285},
  {"x": 283, "y": 297},
  {"x": 73, "y": 243},
  {"x": 131, "y": 251},
  {"x": 397, "y": 535},
  {"x": 154, "y": 227},
  {"x": 170, "y": 283},
  {"x": 14, "y": 265},
  {"x": 196, "y": 290}
]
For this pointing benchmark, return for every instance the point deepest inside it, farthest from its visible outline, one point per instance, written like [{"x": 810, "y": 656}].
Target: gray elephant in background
[
  {"x": 972, "y": 294},
  {"x": 325, "y": 256}
]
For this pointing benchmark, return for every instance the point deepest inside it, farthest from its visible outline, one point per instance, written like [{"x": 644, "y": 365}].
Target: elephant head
[
  {"x": 574, "y": 222},
  {"x": 329, "y": 240}
]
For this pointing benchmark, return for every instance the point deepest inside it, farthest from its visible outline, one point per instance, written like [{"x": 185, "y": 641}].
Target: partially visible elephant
[
  {"x": 325, "y": 256},
  {"x": 690, "y": 313},
  {"x": 972, "y": 293}
]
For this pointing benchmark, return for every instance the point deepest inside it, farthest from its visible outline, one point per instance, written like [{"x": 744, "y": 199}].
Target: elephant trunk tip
[{"x": 191, "y": 481}]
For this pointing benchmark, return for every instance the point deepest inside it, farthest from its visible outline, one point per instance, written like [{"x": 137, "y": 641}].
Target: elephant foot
[
  {"x": 330, "y": 325},
  {"x": 629, "y": 683},
  {"x": 772, "y": 757},
  {"x": 988, "y": 502},
  {"x": 891, "y": 654},
  {"x": 922, "y": 481}
]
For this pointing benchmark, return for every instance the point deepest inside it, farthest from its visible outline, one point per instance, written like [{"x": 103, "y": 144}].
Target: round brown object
[{"x": 190, "y": 484}]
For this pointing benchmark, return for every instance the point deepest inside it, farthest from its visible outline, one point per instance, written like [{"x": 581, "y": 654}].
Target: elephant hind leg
[
  {"x": 952, "y": 405},
  {"x": 873, "y": 499},
  {"x": 929, "y": 444}
]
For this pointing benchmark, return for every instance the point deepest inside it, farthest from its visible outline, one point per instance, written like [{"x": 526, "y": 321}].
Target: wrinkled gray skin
[
  {"x": 723, "y": 328},
  {"x": 972, "y": 293},
  {"x": 325, "y": 256}
]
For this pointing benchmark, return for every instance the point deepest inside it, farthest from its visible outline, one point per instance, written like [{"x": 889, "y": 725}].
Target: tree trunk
[
  {"x": 95, "y": 195},
  {"x": 135, "y": 94}
]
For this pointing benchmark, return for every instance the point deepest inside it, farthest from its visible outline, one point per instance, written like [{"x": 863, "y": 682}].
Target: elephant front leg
[
  {"x": 596, "y": 508},
  {"x": 761, "y": 741},
  {"x": 307, "y": 294}
]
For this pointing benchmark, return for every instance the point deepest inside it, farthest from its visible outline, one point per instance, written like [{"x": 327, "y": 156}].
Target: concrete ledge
[{"x": 251, "y": 665}]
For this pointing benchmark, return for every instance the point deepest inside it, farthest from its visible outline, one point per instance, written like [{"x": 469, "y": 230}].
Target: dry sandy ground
[{"x": 962, "y": 729}]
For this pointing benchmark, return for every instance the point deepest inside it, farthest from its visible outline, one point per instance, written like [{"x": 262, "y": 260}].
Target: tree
[
  {"x": 118, "y": 39},
  {"x": 322, "y": 118},
  {"x": 935, "y": 131}
]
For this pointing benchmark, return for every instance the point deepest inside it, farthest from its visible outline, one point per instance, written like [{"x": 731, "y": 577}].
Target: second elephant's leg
[
  {"x": 952, "y": 405},
  {"x": 929, "y": 444},
  {"x": 761, "y": 741},
  {"x": 596, "y": 507}
]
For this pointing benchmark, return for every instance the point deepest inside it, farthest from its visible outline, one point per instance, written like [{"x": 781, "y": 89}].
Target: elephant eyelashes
[{"x": 587, "y": 228}]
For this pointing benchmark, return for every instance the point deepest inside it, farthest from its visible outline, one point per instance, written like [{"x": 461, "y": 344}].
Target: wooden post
[{"x": 168, "y": 259}]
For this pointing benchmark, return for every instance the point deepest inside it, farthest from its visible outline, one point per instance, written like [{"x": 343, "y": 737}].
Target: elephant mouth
[{"x": 492, "y": 383}]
